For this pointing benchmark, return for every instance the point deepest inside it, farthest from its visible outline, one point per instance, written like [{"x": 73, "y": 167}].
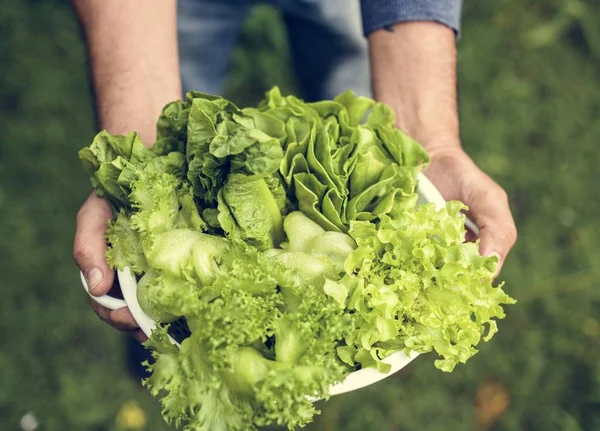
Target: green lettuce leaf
[
  {"x": 104, "y": 160},
  {"x": 223, "y": 376},
  {"x": 125, "y": 245},
  {"x": 416, "y": 285},
  {"x": 115, "y": 162},
  {"x": 340, "y": 169},
  {"x": 249, "y": 210}
]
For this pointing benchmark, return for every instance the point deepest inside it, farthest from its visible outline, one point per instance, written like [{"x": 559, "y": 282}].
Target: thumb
[
  {"x": 89, "y": 246},
  {"x": 489, "y": 209}
]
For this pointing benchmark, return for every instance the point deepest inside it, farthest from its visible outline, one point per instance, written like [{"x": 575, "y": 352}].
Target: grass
[{"x": 529, "y": 108}]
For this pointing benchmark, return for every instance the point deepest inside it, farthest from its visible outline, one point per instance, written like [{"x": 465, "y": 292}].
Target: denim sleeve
[{"x": 378, "y": 14}]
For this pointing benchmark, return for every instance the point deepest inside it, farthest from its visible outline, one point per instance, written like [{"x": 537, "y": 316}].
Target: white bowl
[{"x": 355, "y": 380}]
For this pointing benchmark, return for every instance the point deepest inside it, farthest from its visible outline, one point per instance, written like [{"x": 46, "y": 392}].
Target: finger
[
  {"x": 489, "y": 208},
  {"x": 120, "y": 319},
  {"x": 139, "y": 336},
  {"x": 89, "y": 246}
]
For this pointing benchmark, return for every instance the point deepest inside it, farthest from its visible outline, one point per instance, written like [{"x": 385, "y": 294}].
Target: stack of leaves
[{"x": 289, "y": 238}]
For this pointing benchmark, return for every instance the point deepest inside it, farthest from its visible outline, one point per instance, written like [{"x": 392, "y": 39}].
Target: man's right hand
[
  {"x": 89, "y": 250},
  {"x": 134, "y": 64}
]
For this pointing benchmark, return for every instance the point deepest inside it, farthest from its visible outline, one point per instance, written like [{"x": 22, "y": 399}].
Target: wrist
[
  {"x": 444, "y": 155},
  {"x": 125, "y": 106},
  {"x": 133, "y": 60},
  {"x": 441, "y": 143},
  {"x": 121, "y": 119},
  {"x": 414, "y": 71}
]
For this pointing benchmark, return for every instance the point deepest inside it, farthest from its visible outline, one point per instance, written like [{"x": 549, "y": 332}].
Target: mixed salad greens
[{"x": 289, "y": 237}]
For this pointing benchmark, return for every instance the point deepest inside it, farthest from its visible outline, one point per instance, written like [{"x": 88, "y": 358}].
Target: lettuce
[
  {"x": 112, "y": 162},
  {"x": 339, "y": 170},
  {"x": 253, "y": 355},
  {"x": 126, "y": 248},
  {"x": 417, "y": 286},
  {"x": 288, "y": 238}
]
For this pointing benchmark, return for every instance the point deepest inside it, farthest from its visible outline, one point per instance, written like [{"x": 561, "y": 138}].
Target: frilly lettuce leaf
[
  {"x": 114, "y": 162},
  {"x": 163, "y": 203},
  {"x": 190, "y": 391},
  {"x": 418, "y": 286},
  {"x": 125, "y": 245},
  {"x": 224, "y": 376}
]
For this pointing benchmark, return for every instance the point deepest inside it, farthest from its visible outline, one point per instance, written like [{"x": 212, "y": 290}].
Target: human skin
[
  {"x": 134, "y": 65},
  {"x": 413, "y": 67}
]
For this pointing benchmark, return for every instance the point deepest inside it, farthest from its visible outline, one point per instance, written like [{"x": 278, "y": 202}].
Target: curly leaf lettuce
[
  {"x": 418, "y": 286},
  {"x": 125, "y": 245},
  {"x": 227, "y": 375},
  {"x": 114, "y": 162}
]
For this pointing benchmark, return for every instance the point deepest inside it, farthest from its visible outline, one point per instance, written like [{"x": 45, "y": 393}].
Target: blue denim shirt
[{"x": 378, "y": 14}]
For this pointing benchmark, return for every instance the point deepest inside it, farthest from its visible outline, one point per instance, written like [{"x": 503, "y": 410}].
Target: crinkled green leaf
[
  {"x": 125, "y": 245},
  {"x": 259, "y": 160},
  {"x": 381, "y": 115},
  {"x": 357, "y": 106},
  {"x": 107, "y": 157},
  {"x": 172, "y": 124},
  {"x": 422, "y": 287}
]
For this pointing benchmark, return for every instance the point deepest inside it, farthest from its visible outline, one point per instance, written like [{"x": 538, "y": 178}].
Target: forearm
[
  {"x": 414, "y": 71},
  {"x": 133, "y": 59}
]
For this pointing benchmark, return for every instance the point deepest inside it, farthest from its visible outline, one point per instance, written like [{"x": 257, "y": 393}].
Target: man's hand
[
  {"x": 132, "y": 47},
  {"x": 89, "y": 249},
  {"x": 414, "y": 71},
  {"x": 458, "y": 178}
]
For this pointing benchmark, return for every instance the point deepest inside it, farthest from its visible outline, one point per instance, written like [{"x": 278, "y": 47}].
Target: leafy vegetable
[
  {"x": 339, "y": 170},
  {"x": 289, "y": 238},
  {"x": 419, "y": 287},
  {"x": 112, "y": 163}
]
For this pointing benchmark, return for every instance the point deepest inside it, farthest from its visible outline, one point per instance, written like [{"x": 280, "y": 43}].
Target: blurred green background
[{"x": 530, "y": 104}]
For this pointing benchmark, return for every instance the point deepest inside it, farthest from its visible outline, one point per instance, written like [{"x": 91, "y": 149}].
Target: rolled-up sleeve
[{"x": 378, "y": 14}]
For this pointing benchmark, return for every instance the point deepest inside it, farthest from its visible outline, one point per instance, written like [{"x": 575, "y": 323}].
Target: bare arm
[
  {"x": 134, "y": 63},
  {"x": 132, "y": 47},
  {"x": 414, "y": 71}
]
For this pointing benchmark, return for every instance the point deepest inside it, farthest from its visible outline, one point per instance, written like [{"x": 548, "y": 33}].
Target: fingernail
[{"x": 94, "y": 278}]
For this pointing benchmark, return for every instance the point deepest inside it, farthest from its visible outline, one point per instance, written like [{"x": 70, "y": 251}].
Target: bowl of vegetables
[{"x": 280, "y": 254}]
